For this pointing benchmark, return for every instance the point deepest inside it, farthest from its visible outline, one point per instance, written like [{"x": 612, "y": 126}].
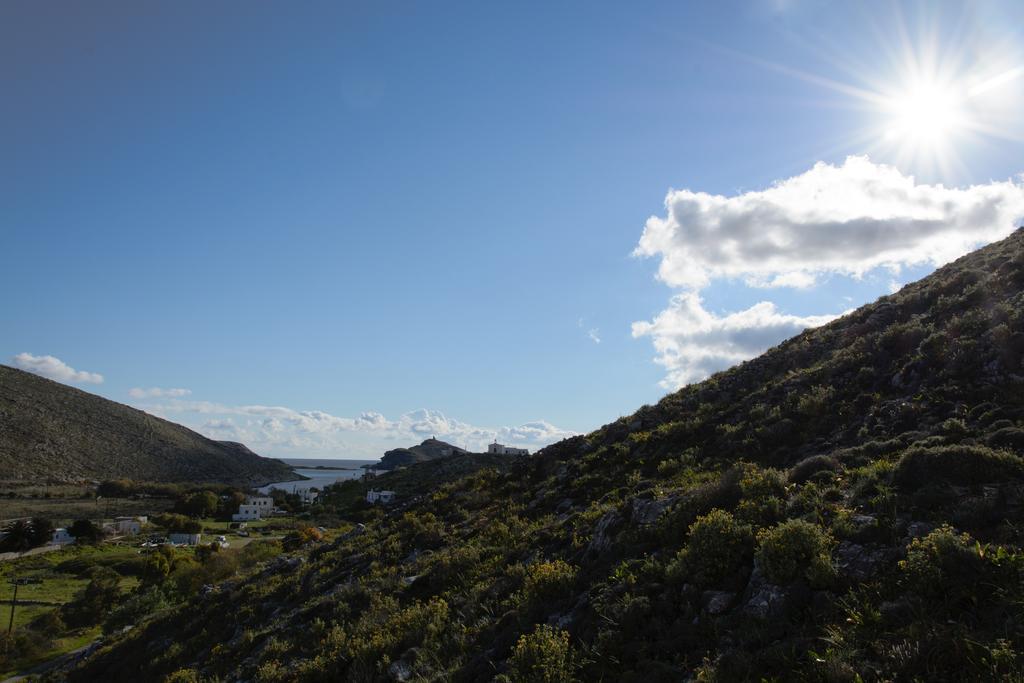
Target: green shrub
[
  {"x": 807, "y": 468},
  {"x": 548, "y": 581},
  {"x": 758, "y": 483},
  {"x": 135, "y": 608},
  {"x": 960, "y": 465},
  {"x": 795, "y": 549},
  {"x": 49, "y": 624},
  {"x": 301, "y": 537},
  {"x": 543, "y": 656},
  {"x": 94, "y": 601},
  {"x": 816, "y": 401},
  {"x": 943, "y": 564},
  {"x": 717, "y": 547},
  {"x": 954, "y": 428},
  {"x": 764, "y": 493}
]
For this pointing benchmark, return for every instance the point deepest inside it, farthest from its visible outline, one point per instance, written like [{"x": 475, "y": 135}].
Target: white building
[
  {"x": 129, "y": 526},
  {"x": 500, "y": 449},
  {"x": 184, "y": 539},
  {"x": 61, "y": 537},
  {"x": 382, "y": 497},
  {"x": 247, "y": 513},
  {"x": 307, "y": 496},
  {"x": 254, "y": 507},
  {"x": 263, "y": 503}
]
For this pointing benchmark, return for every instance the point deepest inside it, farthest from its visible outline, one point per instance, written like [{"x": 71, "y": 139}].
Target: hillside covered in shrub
[{"x": 846, "y": 507}]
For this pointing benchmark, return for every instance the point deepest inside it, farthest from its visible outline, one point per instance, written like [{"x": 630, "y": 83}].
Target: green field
[{"x": 61, "y": 576}]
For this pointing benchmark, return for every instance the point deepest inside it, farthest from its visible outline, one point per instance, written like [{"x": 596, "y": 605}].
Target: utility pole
[{"x": 14, "y": 601}]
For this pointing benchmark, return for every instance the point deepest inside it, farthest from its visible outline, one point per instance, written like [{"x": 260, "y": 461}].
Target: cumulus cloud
[
  {"x": 55, "y": 369},
  {"x": 157, "y": 392},
  {"x": 693, "y": 343},
  {"x": 279, "y": 430},
  {"x": 846, "y": 219},
  {"x": 831, "y": 219}
]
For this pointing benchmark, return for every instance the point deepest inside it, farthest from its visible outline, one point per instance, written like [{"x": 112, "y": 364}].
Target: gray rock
[
  {"x": 766, "y": 600},
  {"x": 862, "y": 522},
  {"x": 717, "y": 602},
  {"x": 860, "y": 563},
  {"x": 601, "y": 541},
  {"x": 919, "y": 529},
  {"x": 400, "y": 671},
  {"x": 646, "y": 511}
]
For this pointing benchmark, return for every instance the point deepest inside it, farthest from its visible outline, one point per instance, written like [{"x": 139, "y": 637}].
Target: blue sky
[{"x": 347, "y": 226}]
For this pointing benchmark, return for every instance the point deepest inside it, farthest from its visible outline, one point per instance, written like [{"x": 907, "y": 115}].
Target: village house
[
  {"x": 263, "y": 503},
  {"x": 501, "y": 449},
  {"x": 61, "y": 537},
  {"x": 129, "y": 526},
  {"x": 382, "y": 497},
  {"x": 307, "y": 496},
  {"x": 247, "y": 513},
  {"x": 254, "y": 507}
]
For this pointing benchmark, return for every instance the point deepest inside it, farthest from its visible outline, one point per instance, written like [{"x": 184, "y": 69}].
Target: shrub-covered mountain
[
  {"x": 52, "y": 432},
  {"x": 848, "y": 506},
  {"x": 431, "y": 449}
]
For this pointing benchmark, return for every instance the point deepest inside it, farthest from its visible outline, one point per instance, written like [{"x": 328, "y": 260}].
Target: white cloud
[
  {"x": 157, "y": 392},
  {"x": 846, "y": 219},
  {"x": 693, "y": 343},
  {"x": 278, "y": 430},
  {"x": 796, "y": 280},
  {"x": 55, "y": 369},
  {"x": 843, "y": 219},
  {"x": 593, "y": 334}
]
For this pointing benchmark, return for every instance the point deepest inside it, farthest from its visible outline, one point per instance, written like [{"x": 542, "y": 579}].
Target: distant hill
[
  {"x": 431, "y": 449},
  {"x": 50, "y": 431}
]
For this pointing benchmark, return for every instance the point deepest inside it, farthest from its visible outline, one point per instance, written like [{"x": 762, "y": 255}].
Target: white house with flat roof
[
  {"x": 382, "y": 497},
  {"x": 501, "y": 449},
  {"x": 254, "y": 507},
  {"x": 61, "y": 537},
  {"x": 247, "y": 513}
]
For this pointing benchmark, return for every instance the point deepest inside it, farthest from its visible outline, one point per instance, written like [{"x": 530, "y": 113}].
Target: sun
[
  {"x": 925, "y": 114},
  {"x": 929, "y": 100}
]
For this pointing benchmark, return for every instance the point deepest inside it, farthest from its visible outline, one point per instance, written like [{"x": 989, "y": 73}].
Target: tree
[
  {"x": 200, "y": 504},
  {"x": 85, "y": 531},
  {"x": 157, "y": 565},
  {"x": 98, "y": 597},
  {"x": 175, "y": 523},
  {"x": 229, "y": 505},
  {"x": 19, "y": 536},
  {"x": 42, "y": 531},
  {"x": 116, "y": 488}
]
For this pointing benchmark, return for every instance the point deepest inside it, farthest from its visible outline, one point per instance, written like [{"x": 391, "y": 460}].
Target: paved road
[
  {"x": 35, "y": 551},
  {"x": 50, "y": 665}
]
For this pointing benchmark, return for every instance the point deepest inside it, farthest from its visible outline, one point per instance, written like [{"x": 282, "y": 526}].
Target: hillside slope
[
  {"x": 53, "y": 432},
  {"x": 848, "y": 506}
]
